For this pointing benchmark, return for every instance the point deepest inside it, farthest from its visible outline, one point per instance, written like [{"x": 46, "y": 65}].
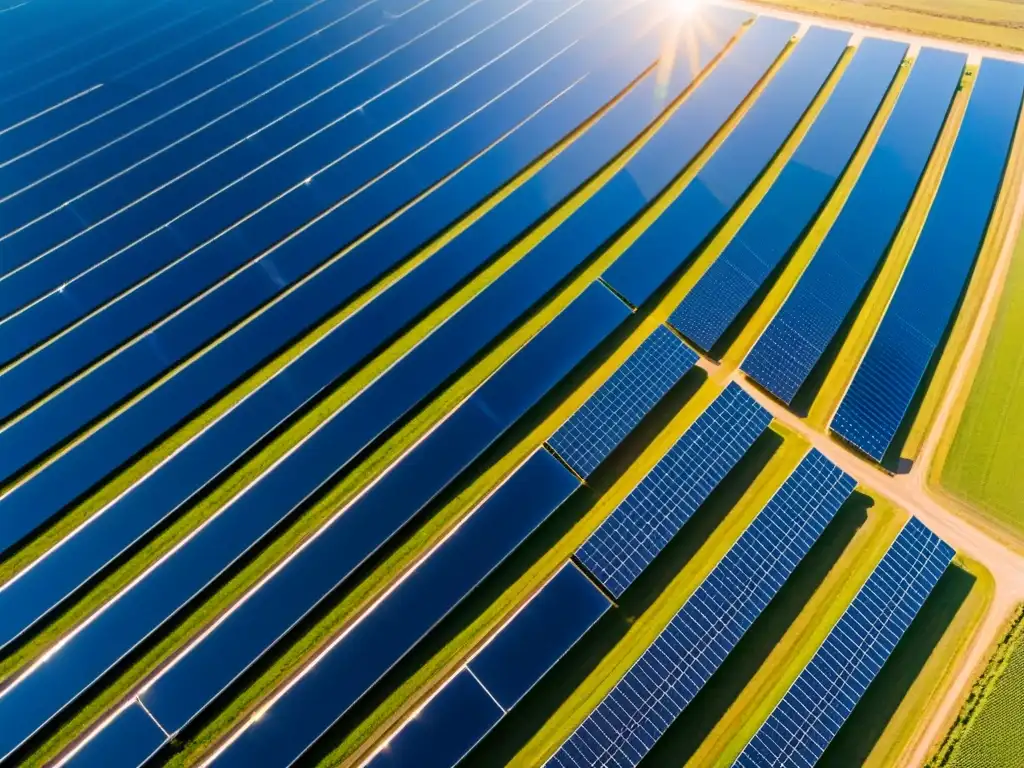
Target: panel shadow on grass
[
  {"x": 693, "y": 726},
  {"x": 540, "y": 704},
  {"x": 865, "y": 726}
]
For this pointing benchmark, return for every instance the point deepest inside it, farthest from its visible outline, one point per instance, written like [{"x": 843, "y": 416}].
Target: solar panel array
[
  {"x": 794, "y": 199},
  {"x": 815, "y": 310},
  {"x": 800, "y": 728},
  {"x": 217, "y": 217},
  {"x": 659, "y": 686},
  {"x": 611, "y": 413},
  {"x": 934, "y": 279},
  {"x": 647, "y": 519}
]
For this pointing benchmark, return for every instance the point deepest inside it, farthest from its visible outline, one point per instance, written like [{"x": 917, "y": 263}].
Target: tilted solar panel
[
  {"x": 929, "y": 291},
  {"x": 611, "y": 413},
  {"x": 800, "y": 728},
  {"x": 659, "y": 686},
  {"x": 643, "y": 524}
]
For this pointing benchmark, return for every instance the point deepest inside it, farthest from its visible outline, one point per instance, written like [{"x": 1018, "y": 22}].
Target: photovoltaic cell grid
[
  {"x": 611, "y": 413},
  {"x": 644, "y": 703},
  {"x": 800, "y": 728},
  {"x": 780, "y": 219},
  {"x": 930, "y": 288},
  {"x": 644, "y": 523}
]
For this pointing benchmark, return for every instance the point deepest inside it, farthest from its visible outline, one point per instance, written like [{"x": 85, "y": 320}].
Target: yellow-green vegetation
[
  {"x": 987, "y": 730},
  {"x": 761, "y": 315},
  {"x": 635, "y": 629},
  {"x": 982, "y": 467},
  {"x": 996, "y": 23},
  {"x": 833, "y": 377}
]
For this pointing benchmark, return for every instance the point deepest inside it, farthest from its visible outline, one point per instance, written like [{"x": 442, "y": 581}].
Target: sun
[{"x": 686, "y": 8}]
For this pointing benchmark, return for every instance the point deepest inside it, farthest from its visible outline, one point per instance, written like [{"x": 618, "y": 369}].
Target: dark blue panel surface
[
  {"x": 647, "y": 519},
  {"x": 387, "y": 630},
  {"x": 805, "y": 325},
  {"x": 36, "y": 87},
  {"x": 444, "y": 730},
  {"x": 705, "y": 202},
  {"x": 388, "y": 504},
  {"x": 509, "y": 665},
  {"x": 355, "y": 533},
  {"x": 201, "y": 462},
  {"x": 128, "y": 370},
  {"x": 124, "y": 742},
  {"x": 611, "y": 413},
  {"x": 202, "y": 82},
  {"x": 669, "y": 674},
  {"x": 789, "y": 207},
  {"x": 201, "y": 228},
  {"x": 540, "y": 634},
  {"x": 936, "y": 275},
  {"x": 823, "y": 696}
]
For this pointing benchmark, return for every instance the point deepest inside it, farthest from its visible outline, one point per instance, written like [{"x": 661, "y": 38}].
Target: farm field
[
  {"x": 426, "y": 377},
  {"x": 979, "y": 469},
  {"x": 976, "y": 22}
]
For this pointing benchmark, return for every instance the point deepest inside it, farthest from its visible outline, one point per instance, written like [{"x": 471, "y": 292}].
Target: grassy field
[
  {"x": 982, "y": 465},
  {"x": 988, "y": 730},
  {"x": 997, "y": 23}
]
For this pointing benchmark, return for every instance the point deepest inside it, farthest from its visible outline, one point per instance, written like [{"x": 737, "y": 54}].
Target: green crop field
[
  {"x": 989, "y": 731},
  {"x": 982, "y": 467}
]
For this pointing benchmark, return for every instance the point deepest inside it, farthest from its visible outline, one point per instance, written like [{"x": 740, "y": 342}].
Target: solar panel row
[
  {"x": 705, "y": 202},
  {"x": 815, "y": 310},
  {"x": 611, "y": 413},
  {"x": 647, "y": 519},
  {"x": 779, "y": 221},
  {"x": 472, "y": 702},
  {"x": 244, "y": 634},
  {"x": 75, "y": 471},
  {"x": 801, "y": 726},
  {"x": 934, "y": 279},
  {"x": 377, "y": 639},
  {"x": 484, "y": 78},
  {"x": 664, "y": 680}
]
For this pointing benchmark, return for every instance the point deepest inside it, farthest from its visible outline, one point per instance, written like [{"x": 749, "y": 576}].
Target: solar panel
[
  {"x": 805, "y": 325},
  {"x": 811, "y": 713},
  {"x": 643, "y": 524},
  {"x": 659, "y": 686},
  {"x": 611, "y": 413},
  {"x": 925, "y": 301},
  {"x": 780, "y": 219}
]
